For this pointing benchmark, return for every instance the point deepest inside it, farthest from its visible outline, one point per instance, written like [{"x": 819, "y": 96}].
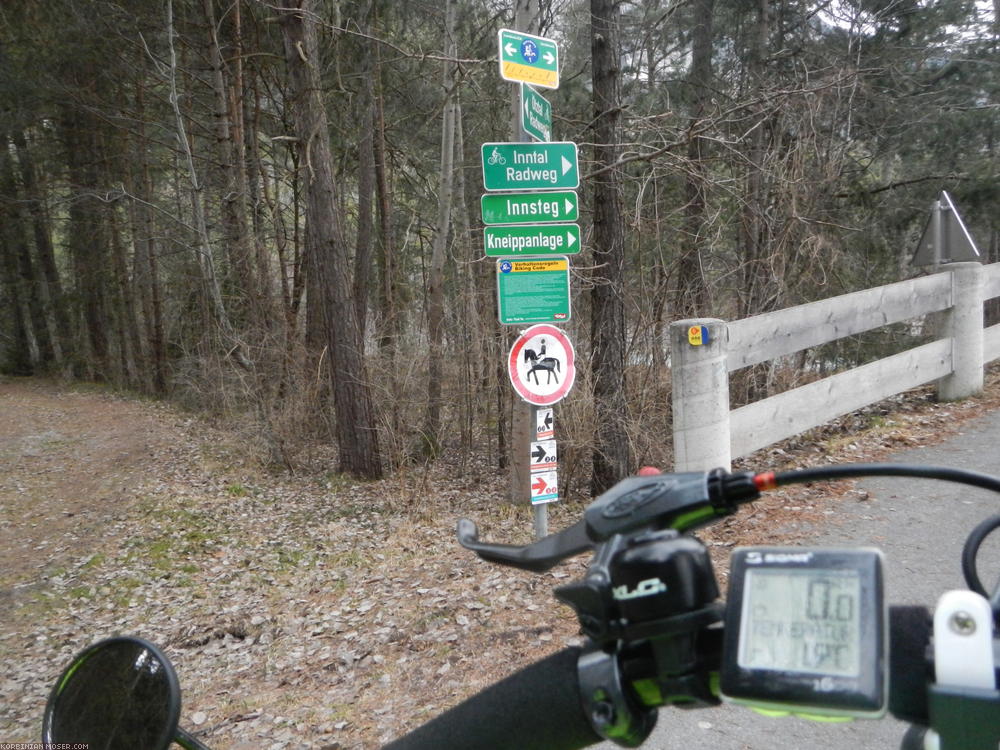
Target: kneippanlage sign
[{"x": 546, "y": 239}]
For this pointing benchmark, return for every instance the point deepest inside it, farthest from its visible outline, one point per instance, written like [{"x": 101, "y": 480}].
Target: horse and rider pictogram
[{"x": 541, "y": 365}]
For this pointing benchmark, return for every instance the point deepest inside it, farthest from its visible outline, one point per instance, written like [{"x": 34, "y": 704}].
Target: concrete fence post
[
  {"x": 700, "y": 394},
  {"x": 963, "y": 323}
]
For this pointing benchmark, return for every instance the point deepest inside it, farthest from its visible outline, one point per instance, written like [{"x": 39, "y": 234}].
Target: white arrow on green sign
[
  {"x": 536, "y": 114},
  {"x": 545, "y": 239},
  {"x": 530, "y": 208},
  {"x": 533, "y": 290},
  {"x": 530, "y": 166},
  {"x": 528, "y": 59}
]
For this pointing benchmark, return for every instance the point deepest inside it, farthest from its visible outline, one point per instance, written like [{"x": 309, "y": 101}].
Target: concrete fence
[{"x": 704, "y": 351}]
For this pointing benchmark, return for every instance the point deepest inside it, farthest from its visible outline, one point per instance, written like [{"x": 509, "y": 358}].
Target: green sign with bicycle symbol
[{"x": 530, "y": 166}]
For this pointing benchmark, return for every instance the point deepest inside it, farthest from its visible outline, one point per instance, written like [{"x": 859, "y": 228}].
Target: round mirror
[{"x": 119, "y": 693}]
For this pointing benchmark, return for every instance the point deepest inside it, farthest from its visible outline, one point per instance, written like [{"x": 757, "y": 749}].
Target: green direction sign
[
  {"x": 533, "y": 291},
  {"x": 546, "y": 239},
  {"x": 530, "y": 208},
  {"x": 530, "y": 166},
  {"x": 536, "y": 114},
  {"x": 528, "y": 59}
]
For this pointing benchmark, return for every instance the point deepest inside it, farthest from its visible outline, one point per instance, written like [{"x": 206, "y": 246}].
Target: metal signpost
[
  {"x": 530, "y": 228},
  {"x": 525, "y": 58}
]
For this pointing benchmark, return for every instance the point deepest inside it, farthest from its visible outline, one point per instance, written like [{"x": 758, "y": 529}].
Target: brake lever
[
  {"x": 538, "y": 557},
  {"x": 678, "y": 501}
]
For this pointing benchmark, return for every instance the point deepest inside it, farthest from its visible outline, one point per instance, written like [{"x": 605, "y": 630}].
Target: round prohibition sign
[{"x": 542, "y": 365}]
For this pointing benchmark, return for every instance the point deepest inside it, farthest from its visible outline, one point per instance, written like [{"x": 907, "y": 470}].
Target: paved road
[{"x": 920, "y": 525}]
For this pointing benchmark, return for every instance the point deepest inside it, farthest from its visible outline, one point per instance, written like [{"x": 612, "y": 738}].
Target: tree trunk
[
  {"x": 49, "y": 286},
  {"x": 472, "y": 337},
  {"x": 435, "y": 278},
  {"x": 390, "y": 318},
  {"x": 691, "y": 298},
  {"x": 759, "y": 289},
  {"x": 357, "y": 434},
  {"x": 145, "y": 265},
  {"x": 612, "y": 451},
  {"x": 390, "y": 321},
  {"x": 17, "y": 272},
  {"x": 366, "y": 181},
  {"x": 126, "y": 322},
  {"x": 88, "y": 232},
  {"x": 232, "y": 183},
  {"x": 204, "y": 254},
  {"x": 22, "y": 354}
]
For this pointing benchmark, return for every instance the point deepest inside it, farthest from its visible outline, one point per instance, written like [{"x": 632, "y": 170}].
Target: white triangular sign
[{"x": 957, "y": 243}]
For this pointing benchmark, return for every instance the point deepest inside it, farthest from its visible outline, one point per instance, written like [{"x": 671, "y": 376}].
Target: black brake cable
[
  {"x": 970, "y": 551},
  {"x": 769, "y": 480}
]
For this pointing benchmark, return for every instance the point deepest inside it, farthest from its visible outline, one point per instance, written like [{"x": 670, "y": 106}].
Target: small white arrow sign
[
  {"x": 569, "y": 208},
  {"x": 548, "y": 57},
  {"x": 566, "y": 163},
  {"x": 510, "y": 49},
  {"x": 570, "y": 239}
]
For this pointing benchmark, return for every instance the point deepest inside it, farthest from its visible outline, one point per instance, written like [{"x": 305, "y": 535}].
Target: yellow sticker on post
[{"x": 698, "y": 335}]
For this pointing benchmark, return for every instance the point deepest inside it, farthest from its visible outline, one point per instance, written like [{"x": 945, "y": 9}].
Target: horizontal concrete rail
[
  {"x": 708, "y": 434},
  {"x": 764, "y": 337},
  {"x": 765, "y": 422}
]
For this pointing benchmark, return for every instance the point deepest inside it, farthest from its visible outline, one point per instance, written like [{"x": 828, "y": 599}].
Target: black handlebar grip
[
  {"x": 909, "y": 669},
  {"x": 538, "y": 708}
]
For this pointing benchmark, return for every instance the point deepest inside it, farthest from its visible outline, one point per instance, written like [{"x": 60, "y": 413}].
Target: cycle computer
[{"x": 806, "y": 631}]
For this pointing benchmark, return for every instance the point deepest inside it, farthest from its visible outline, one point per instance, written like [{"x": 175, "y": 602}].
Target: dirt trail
[
  {"x": 70, "y": 462},
  {"x": 123, "y": 516}
]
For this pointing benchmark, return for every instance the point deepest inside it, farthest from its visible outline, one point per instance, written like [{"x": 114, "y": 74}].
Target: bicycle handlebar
[
  {"x": 649, "y": 608},
  {"x": 541, "y": 706},
  {"x": 545, "y": 704},
  {"x": 537, "y": 707}
]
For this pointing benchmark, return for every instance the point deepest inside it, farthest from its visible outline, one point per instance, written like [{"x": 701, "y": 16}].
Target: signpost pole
[
  {"x": 523, "y": 417},
  {"x": 938, "y": 228}
]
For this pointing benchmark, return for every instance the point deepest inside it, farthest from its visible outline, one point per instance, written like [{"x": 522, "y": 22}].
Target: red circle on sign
[{"x": 564, "y": 372}]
